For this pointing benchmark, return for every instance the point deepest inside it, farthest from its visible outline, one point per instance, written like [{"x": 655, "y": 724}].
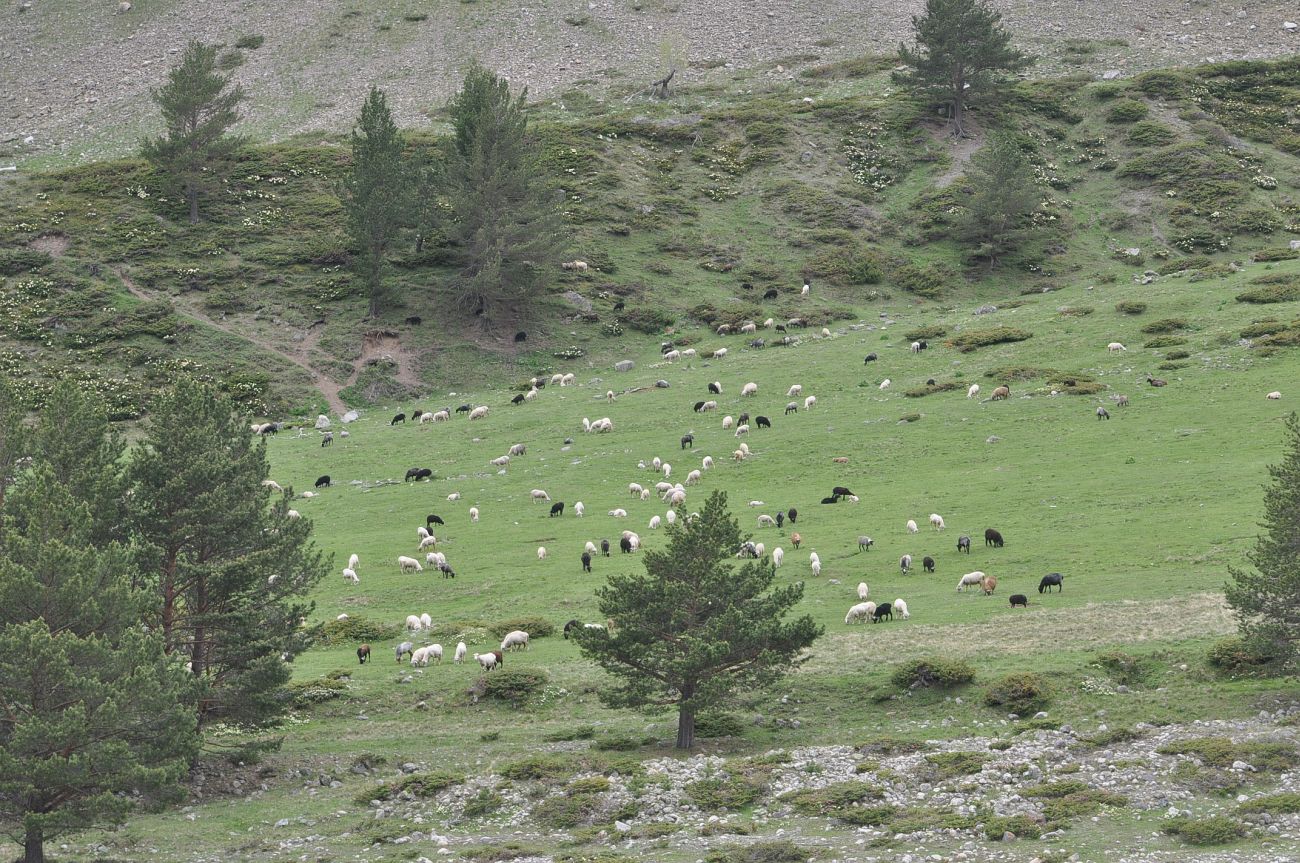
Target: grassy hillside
[{"x": 689, "y": 210}]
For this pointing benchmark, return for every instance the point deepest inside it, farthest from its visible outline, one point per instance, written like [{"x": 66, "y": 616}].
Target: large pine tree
[
  {"x": 961, "y": 47},
  {"x": 94, "y": 718},
  {"x": 504, "y": 222},
  {"x": 228, "y": 572},
  {"x": 1003, "y": 198},
  {"x": 198, "y": 106},
  {"x": 695, "y": 627},
  {"x": 1266, "y": 598}
]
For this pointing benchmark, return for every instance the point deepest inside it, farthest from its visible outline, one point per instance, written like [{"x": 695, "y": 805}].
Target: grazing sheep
[
  {"x": 422, "y": 532},
  {"x": 654, "y": 522},
  {"x": 766, "y": 521},
  {"x": 780, "y": 518},
  {"x": 741, "y": 429},
  {"x": 809, "y": 402},
  {"x": 432, "y": 558},
  {"x": 900, "y": 608},
  {"x": 708, "y": 406},
  {"x": 604, "y": 547},
  {"x": 568, "y": 380},
  {"x": 1019, "y": 599},
  {"x": 668, "y": 470},
  {"x": 670, "y": 516},
  {"x": 738, "y": 455},
  {"x": 884, "y": 610},
  {"x": 993, "y": 538},
  {"x": 759, "y": 549},
  {"x": 864, "y": 543},
  {"x": 428, "y": 542},
  {"x": 795, "y": 538},
  {"x": 517, "y": 449},
  {"x": 970, "y": 579},
  {"x": 516, "y": 640},
  {"x": 806, "y": 287},
  {"x": 973, "y": 391},
  {"x": 323, "y": 481},
  {"x": 1102, "y": 413},
  {"x": 455, "y": 495},
  {"x": 927, "y": 563},
  {"x": 884, "y": 385},
  {"x": 609, "y": 395},
  {"x": 556, "y": 509},
  {"x": 350, "y": 574},
  {"x": 936, "y": 521},
  {"x": 422, "y": 656},
  {"x": 537, "y": 494},
  {"x": 579, "y": 509},
  {"x": 618, "y": 513},
  {"x": 963, "y": 543},
  {"x": 413, "y": 622},
  {"x": 473, "y": 513},
  {"x": 272, "y": 484},
  {"x": 794, "y": 391},
  {"x": 693, "y": 478},
  {"x": 461, "y": 650},
  {"x": 688, "y": 440},
  {"x": 400, "y": 418},
  {"x": 1001, "y": 393},
  {"x": 488, "y": 660},
  {"x": 353, "y": 561},
  {"x": 816, "y": 568},
  {"x": 409, "y": 564},
  {"x": 1121, "y": 401},
  {"x": 586, "y": 560},
  {"x": 1274, "y": 396},
  {"x": 1051, "y": 580},
  {"x": 792, "y": 408},
  {"x": 479, "y": 412},
  {"x": 672, "y": 356},
  {"x": 749, "y": 389},
  {"x": 905, "y": 563},
  {"x": 792, "y": 514},
  {"x": 541, "y": 552},
  {"x": 911, "y": 526},
  {"x": 363, "y": 654},
  {"x": 870, "y": 358},
  {"x": 989, "y": 584},
  {"x": 916, "y": 347},
  {"x": 860, "y": 612},
  {"x": 727, "y": 422},
  {"x": 719, "y": 353},
  {"x": 500, "y": 461},
  {"x": 1156, "y": 382},
  {"x": 635, "y": 489},
  {"x": 1113, "y": 347},
  {"x": 404, "y": 649},
  {"x": 863, "y": 590}
]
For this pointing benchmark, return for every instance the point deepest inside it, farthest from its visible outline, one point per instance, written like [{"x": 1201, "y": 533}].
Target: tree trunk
[
  {"x": 685, "y": 727},
  {"x": 34, "y": 846}
]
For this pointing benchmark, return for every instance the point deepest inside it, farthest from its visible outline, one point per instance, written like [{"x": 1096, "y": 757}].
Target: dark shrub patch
[
  {"x": 1165, "y": 342},
  {"x": 926, "y": 332},
  {"x": 419, "y": 784},
  {"x": 724, "y": 793},
  {"x": 1130, "y": 307},
  {"x": 536, "y": 627},
  {"x": 933, "y": 671},
  {"x": 783, "y": 851},
  {"x": 1151, "y": 134},
  {"x": 1022, "y": 692},
  {"x": 1222, "y": 752},
  {"x": 516, "y": 685},
  {"x": 1216, "y": 830},
  {"x": 1266, "y": 255},
  {"x": 931, "y": 389},
  {"x": 15, "y": 261},
  {"x": 1020, "y": 826},
  {"x": 647, "y": 320},
  {"x": 1265, "y": 294},
  {"x": 1127, "y": 111},
  {"x": 1285, "y": 803},
  {"x": 356, "y": 630},
  {"x": 972, "y": 339},
  {"x": 1166, "y": 325},
  {"x": 1235, "y": 655}
]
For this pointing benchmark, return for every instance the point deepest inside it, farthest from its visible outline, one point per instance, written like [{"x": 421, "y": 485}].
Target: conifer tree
[
  {"x": 227, "y": 571},
  {"x": 999, "y": 212},
  {"x": 13, "y": 437},
  {"x": 198, "y": 108},
  {"x": 1266, "y": 597},
  {"x": 960, "y": 50},
  {"x": 695, "y": 628}
]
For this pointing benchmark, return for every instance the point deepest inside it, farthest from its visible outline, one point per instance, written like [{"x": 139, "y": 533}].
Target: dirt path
[
  {"x": 298, "y": 358},
  {"x": 961, "y": 149}
]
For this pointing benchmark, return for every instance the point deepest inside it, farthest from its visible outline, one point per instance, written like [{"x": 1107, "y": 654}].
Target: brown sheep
[
  {"x": 840, "y": 460},
  {"x": 989, "y": 584},
  {"x": 1157, "y": 382},
  {"x": 795, "y": 538},
  {"x": 1001, "y": 393}
]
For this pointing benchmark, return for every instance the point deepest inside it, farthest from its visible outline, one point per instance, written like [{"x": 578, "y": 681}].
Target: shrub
[
  {"x": 1127, "y": 111},
  {"x": 724, "y": 793},
  {"x": 925, "y": 281},
  {"x": 1165, "y": 342},
  {"x": 1130, "y": 307},
  {"x": 418, "y": 784},
  {"x": 516, "y": 685},
  {"x": 1151, "y": 134},
  {"x": 1020, "y": 826},
  {"x": 1020, "y": 692},
  {"x": 1222, "y": 752},
  {"x": 972, "y": 339},
  {"x": 909, "y": 418},
  {"x": 843, "y": 801},
  {"x": 1075, "y": 383},
  {"x": 783, "y": 851},
  {"x": 947, "y": 765},
  {"x": 575, "y": 806},
  {"x": 931, "y": 389},
  {"x": 1266, "y": 294},
  {"x": 933, "y": 671},
  {"x": 1285, "y": 803},
  {"x": 1238, "y": 656},
  {"x": 536, "y": 627},
  {"x": 719, "y": 725},
  {"x": 539, "y": 767},
  {"x": 1017, "y": 373},
  {"x": 1266, "y": 255},
  {"x": 647, "y": 320},
  {"x": 494, "y": 853},
  {"x": 1262, "y": 328},
  {"x": 305, "y": 693},
  {"x": 485, "y": 802},
  {"x": 15, "y": 261},
  {"x": 1162, "y": 83},
  {"x": 1123, "y": 667},
  {"x": 621, "y": 743},
  {"x": 932, "y": 331},
  {"x": 251, "y": 42},
  {"x": 1177, "y": 355},
  {"x": 1076, "y": 311},
  {"x": 582, "y": 732},
  {"x": 891, "y": 746},
  {"x": 353, "y": 630},
  {"x": 1071, "y": 798},
  {"x": 1166, "y": 325},
  {"x": 1216, "y": 830}
]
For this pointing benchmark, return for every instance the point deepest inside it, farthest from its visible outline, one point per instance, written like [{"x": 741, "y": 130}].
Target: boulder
[
  {"x": 322, "y": 422},
  {"x": 351, "y": 417},
  {"x": 624, "y": 366}
]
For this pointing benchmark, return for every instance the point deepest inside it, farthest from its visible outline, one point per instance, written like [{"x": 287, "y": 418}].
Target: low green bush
[
  {"x": 1283, "y": 803},
  {"x": 844, "y": 801},
  {"x": 1149, "y": 133},
  {"x": 933, "y": 671},
  {"x": 516, "y": 685},
  {"x": 305, "y": 693},
  {"x": 1236, "y": 655},
  {"x": 1165, "y": 325},
  {"x": 891, "y": 746},
  {"x": 932, "y": 331},
  {"x": 647, "y": 320},
  {"x": 1020, "y": 826},
  {"x": 709, "y": 725},
  {"x": 930, "y": 389},
  {"x": 1112, "y": 736},
  {"x": 495, "y": 853},
  {"x": 972, "y": 339},
  {"x": 251, "y": 42},
  {"x": 1164, "y": 342},
  {"x": 1267, "y": 255},
  {"x": 539, "y": 767},
  {"x": 421, "y": 785},
  {"x": 1021, "y": 692},
  {"x": 1177, "y": 355},
  {"x": 581, "y": 732},
  {"x": 1130, "y": 307},
  {"x": 485, "y": 802},
  {"x": 1222, "y": 752},
  {"x": 1076, "y": 311},
  {"x": 1072, "y": 798},
  {"x": 724, "y": 793},
  {"x": 948, "y": 765},
  {"x": 15, "y": 261},
  {"x": 353, "y": 630},
  {"x": 783, "y": 851},
  {"x": 1127, "y": 111},
  {"x": 1017, "y": 373},
  {"x": 1202, "y": 832},
  {"x": 1267, "y": 294},
  {"x": 536, "y": 627}
]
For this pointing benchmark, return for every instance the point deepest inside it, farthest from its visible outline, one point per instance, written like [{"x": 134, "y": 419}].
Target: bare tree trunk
[
  {"x": 685, "y": 726},
  {"x": 34, "y": 846}
]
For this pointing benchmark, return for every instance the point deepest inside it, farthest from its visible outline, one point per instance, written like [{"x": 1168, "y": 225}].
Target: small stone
[
  {"x": 1008, "y": 836},
  {"x": 622, "y": 827},
  {"x": 350, "y": 417},
  {"x": 992, "y": 439},
  {"x": 283, "y": 822},
  {"x": 663, "y": 385},
  {"x": 624, "y": 366},
  {"x": 1289, "y": 26},
  {"x": 1042, "y": 714},
  {"x": 123, "y": 7}
]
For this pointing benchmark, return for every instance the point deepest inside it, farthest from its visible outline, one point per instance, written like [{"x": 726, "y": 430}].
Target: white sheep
[
  {"x": 487, "y": 660},
  {"x": 816, "y": 568},
  {"x": 973, "y": 391},
  {"x": 861, "y": 611},
  {"x": 806, "y": 288},
  {"x": 672, "y": 356},
  {"x": 428, "y": 542},
  {"x": 710, "y": 405},
  {"x": 424, "y": 418},
  {"x": 442, "y": 416},
  {"x": 579, "y": 509},
  {"x": 766, "y": 521},
  {"x": 826, "y": 333},
  {"x": 609, "y": 395},
  {"x": 757, "y": 503},
  {"x": 749, "y": 328},
  {"x": 350, "y": 574},
  {"x": 455, "y": 495},
  {"x": 809, "y": 402},
  {"x": 431, "y": 559},
  {"x": 343, "y": 616},
  {"x": 272, "y": 484},
  {"x": 645, "y": 494},
  {"x": 694, "y": 477},
  {"x": 863, "y": 590},
  {"x": 307, "y": 495},
  {"x": 473, "y": 513},
  {"x": 744, "y": 447},
  {"x": 689, "y": 353},
  {"x": 528, "y": 396},
  {"x": 668, "y": 470},
  {"x": 749, "y": 389},
  {"x": 568, "y": 380},
  {"x": 936, "y": 521},
  {"x": 778, "y": 555},
  {"x": 759, "y": 549},
  {"x": 413, "y": 622},
  {"x": 500, "y": 461},
  {"x": 293, "y": 514},
  {"x": 719, "y": 353},
  {"x": 970, "y": 579},
  {"x": 461, "y": 650},
  {"x": 541, "y": 552},
  {"x": 916, "y": 347},
  {"x": 516, "y": 640},
  {"x": 814, "y": 557},
  {"x": 426, "y": 620},
  {"x": 557, "y": 378},
  {"x": 537, "y": 494},
  {"x": 422, "y": 532},
  {"x": 590, "y": 547},
  {"x": 353, "y": 562},
  {"x": 884, "y": 385},
  {"x": 1115, "y": 346},
  {"x": 739, "y": 455},
  {"x": 677, "y": 498},
  {"x": 767, "y": 324},
  {"x": 741, "y": 429},
  {"x": 1274, "y": 396},
  {"x": 479, "y": 412},
  {"x": 911, "y": 526},
  {"x": 727, "y": 421},
  {"x": 905, "y": 563},
  {"x": 409, "y": 564},
  {"x": 900, "y": 608},
  {"x": 794, "y": 391},
  {"x": 706, "y": 462},
  {"x": 618, "y": 513},
  {"x": 635, "y": 489},
  {"x": 654, "y": 522},
  {"x": 671, "y": 516}
]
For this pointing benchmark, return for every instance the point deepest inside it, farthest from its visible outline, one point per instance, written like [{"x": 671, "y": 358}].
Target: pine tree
[
  {"x": 378, "y": 193},
  {"x": 198, "y": 107},
  {"x": 228, "y": 572},
  {"x": 504, "y": 220},
  {"x": 960, "y": 49},
  {"x": 695, "y": 628},
  {"x": 13, "y": 437},
  {"x": 1266, "y": 598},
  {"x": 93, "y": 715},
  {"x": 998, "y": 214}
]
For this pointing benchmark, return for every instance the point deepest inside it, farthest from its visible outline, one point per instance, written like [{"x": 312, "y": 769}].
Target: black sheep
[
  {"x": 413, "y": 473},
  {"x": 831, "y": 499},
  {"x": 433, "y": 519},
  {"x": 780, "y": 519},
  {"x": 841, "y": 491},
  {"x": 928, "y": 564},
  {"x": 400, "y": 418},
  {"x": 414, "y": 320},
  {"x": 323, "y": 481},
  {"x": 929, "y": 382},
  {"x": 625, "y": 545},
  {"x": 744, "y": 418},
  {"x": 447, "y": 571},
  {"x": 921, "y": 345},
  {"x": 963, "y": 543},
  {"x": 327, "y": 439},
  {"x": 884, "y": 610},
  {"x": 780, "y": 328},
  {"x": 763, "y": 422},
  {"x": 1019, "y": 599},
  {"x": 771, "y": 294},
  {"x": 517, "y": 400},
  {"x": 604, "y": 547},
  {"x": 871, "y": 358},
  {"x": 1051, "y": 580},
  {"x": 464, "y": 409},
  {"x": 699, "y": 406},
  {"x": 586, "y": 564},
  {"x": 688, "y": 440},
  {"x": 521, "y": 336},
  {"x": 993, "y": 538},
  {"x": 715, "y": 389},
  {"x": 363, "y": 654},
  {"x": 557, "y": 508},
  {"x": 792, "y": 514},
  {"x": 572, "y": 625}
]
